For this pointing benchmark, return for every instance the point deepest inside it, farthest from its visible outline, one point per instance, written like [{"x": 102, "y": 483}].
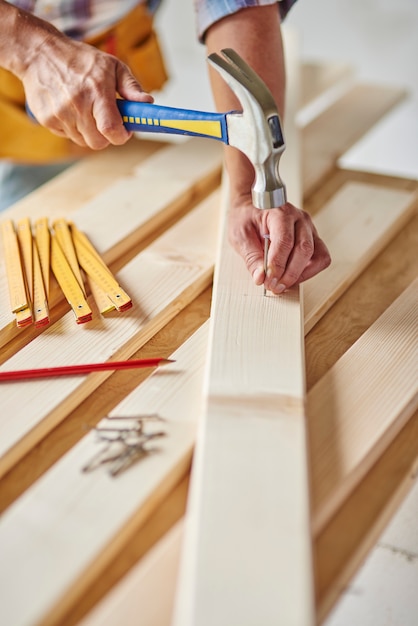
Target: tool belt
[{"x": 132, "y": 40}]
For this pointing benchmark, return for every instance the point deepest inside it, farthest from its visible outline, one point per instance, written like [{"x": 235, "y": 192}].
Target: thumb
[{"x": 128, "y": 87}]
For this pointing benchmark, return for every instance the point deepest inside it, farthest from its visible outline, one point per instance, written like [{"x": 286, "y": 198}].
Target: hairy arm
[{"x": 70, "y": 86}]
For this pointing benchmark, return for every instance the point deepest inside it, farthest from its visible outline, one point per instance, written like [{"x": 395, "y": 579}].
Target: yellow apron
[{"x": 132, "y": 40}]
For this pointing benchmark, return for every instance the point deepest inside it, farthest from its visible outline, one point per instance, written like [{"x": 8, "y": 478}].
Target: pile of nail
[{"x": 125, "y": 442}]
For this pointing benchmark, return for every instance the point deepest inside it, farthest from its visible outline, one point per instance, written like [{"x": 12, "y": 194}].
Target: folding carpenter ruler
[
  {"x": 66, "y": 251},
  {"x": 18, "y": 293},
  {"x": 34, "y": 279},
  {"x": 43, "y": 245},
  {"x": 98, "y": 272},
  {"x": 69, "y": 283}
]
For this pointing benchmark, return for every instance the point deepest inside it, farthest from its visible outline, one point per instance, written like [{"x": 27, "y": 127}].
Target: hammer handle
[{"x": 152, "y": 118}]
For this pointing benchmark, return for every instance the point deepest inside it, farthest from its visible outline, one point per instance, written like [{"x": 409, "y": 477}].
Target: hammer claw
[
  {"x": 244, "y": 76},
  {"x": 256, "y": 131}
]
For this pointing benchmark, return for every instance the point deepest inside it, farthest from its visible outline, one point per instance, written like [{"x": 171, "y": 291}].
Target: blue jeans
[{"x": 16, "y": 181}]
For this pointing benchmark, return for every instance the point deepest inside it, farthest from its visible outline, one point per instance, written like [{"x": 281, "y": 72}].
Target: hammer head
[{"x": 256, "y": 131}]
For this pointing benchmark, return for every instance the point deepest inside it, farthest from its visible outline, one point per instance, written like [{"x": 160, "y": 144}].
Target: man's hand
[
  {"x": 71, "y": 89},
  {"x": 70, "y": 86},
  {"x": 296, "y": 252}
]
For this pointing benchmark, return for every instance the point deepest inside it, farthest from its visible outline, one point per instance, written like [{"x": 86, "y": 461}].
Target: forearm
[
  {"x": 22, "y": 36},
  {"x": 254, "y": 33},
  {"x": 70, "y": 86},
  {"x": 296, "y": 251}
]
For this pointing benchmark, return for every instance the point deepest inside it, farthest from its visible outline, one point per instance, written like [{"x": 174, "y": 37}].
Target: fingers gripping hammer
[{"x": 256, "y": 130}]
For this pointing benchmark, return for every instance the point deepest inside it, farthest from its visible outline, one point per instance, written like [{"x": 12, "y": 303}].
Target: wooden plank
[
  {"x": 25, "y": 213},
  {"x": 81, "y": 182},
  {"x": 398, "y": 454},
  {"x": 245, "y": 521},
  {"x": 322, "y": 85},
  {"x": 357, "y": 223},
  {"x": 142, "y": 205},
  {"x": 332, "y": 215},
  {"x": 339, "y": 553},
  {"x": 344, "y": 544},
  {"x": 252, "y": 440},
  {"x": 399, "y": 130},
  {"x": 386, "y": 583},
  {"x": 330, "y": 134},
  {"x": 318, "y": 79},
  {"x": 360, "y": 405},
  {"x": 63, "y": 503},
  {"x": 148, "y": 590},
  {"x": 185, "y": 254}
]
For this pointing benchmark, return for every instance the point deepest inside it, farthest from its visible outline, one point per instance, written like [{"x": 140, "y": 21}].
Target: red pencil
[{"x": 76, "y": 370}]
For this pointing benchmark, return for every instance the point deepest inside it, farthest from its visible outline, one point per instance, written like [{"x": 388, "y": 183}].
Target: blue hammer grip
[{"x": 152, "y": 118}]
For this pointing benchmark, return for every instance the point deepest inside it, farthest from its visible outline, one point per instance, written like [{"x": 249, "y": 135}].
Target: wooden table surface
[{"x": 350, "y": 534}]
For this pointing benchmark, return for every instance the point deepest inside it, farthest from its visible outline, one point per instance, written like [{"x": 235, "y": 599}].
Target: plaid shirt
[
  {"x": 84, "y": 18},
  {"x": 210, "y": 11}
]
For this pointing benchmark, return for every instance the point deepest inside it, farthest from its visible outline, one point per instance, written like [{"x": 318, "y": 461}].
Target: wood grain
[
  {"x": 64, "y": 502},
  {"x": 357, "y": 223},
  {"x": 185, "y": 254},
  {"x": 129, "y": 219},
  {"x": 148, "y": 590},
  {"x": 359, "y": 406},
  {"x": 318, "y": 79},
  {"x": 343, "y": 545},
  {"x": 245, "y": 516},
  {"x": 330, "y": 134}
]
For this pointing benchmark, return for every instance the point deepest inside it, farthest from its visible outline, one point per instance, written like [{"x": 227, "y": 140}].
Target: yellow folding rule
[{"x": 67, "y": 251}]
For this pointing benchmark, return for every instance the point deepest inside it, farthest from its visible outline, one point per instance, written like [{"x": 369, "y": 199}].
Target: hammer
[{"x": 256, "y": 130}]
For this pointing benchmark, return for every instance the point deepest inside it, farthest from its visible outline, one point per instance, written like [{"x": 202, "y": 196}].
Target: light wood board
[
  {"x": 357, "y": 223},
  {"x": 353, "y": 531},
  {"x": 322, "y": 86},
  {"x": 134, "y": 205},
  {"x": 330, "y": 134},
  {"x": 318, "y": 79},
  {"x": 80, "y": 520},
  {"x": 148, "y": 590},
  {"x": 161, "y": 281},
  {"x": 333, "y": 214},
  {"x": 358, "y": 407},
  {"x": 247, "y": 520},
  {"x": 399, "y": 130},
  {"x": 353, "y": 385}
]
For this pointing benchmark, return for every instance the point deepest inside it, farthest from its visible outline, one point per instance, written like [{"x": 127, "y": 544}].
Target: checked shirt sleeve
[{"x": 210, "y": 11}]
